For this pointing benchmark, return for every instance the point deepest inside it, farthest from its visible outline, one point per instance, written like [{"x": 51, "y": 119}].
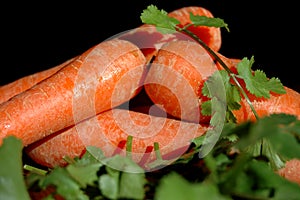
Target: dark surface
[{"x": 38, "y": 36}]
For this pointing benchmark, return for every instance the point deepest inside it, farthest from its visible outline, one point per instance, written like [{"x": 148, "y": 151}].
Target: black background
[{"x": 37, "y": 36}]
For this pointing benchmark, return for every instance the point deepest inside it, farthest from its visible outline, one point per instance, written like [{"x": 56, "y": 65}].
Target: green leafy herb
[
  {"x": 12, "y": 185},
  {"x": 232, "y": 93},
  {"x": 122, "y": 181},
  {"x": 257, "y": 82},
  {"x": 185, "y": 189},
  {"x": 65, "y": 185},
  {"x": 160, "y": 18},
  {"x": 165, "y": 24},
  {"x": 207, "y": 21},
  {"x": 231, "y": 161}
]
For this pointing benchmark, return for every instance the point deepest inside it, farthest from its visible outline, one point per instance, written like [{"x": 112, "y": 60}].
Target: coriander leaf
[
  {"x": 267, "y": 179},
  {"x": 257, "y": 83},
  {"x": 294, "y": 128},
  {"x": 252, "y": 179},
  {"x": 206, "y": 108},
  {"x": 109, "y": 186},
  {"x": 198, "y": 141},
  {"x": 211, "y": 89},
  {"x": 233, "y": 96},
  {"x": 268, "y": 151},
  {"x": 125, "y": 164},
  {"x": 132, "y": 185},
  {"x": 174, "y": 186},
  {"x": 217, "y": 122},
  {"x": 222, "y": 159},
  {"x": 214, "y": 89},
  {"x": 12, "y": 184},
  {"x": 84, "y": 170},
  {"x": 228, "y": 180},
  {"x": 272, "y": 134},
  {"x": 121, "y": 181},
  {"x": 65, "y": 185},
  {"x": 207, "y": 21},
  {"x": 109, "y": 183},
  {"x": 159, "y": 18},
  {"x": 228, "y": 131},
  {"x": 85, "y": 175},
  {"x": 93, "y": 155},
  {"x": 285, "y": 142}
]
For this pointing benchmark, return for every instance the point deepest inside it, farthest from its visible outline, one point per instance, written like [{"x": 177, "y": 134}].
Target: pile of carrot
[{"x": 60, "y": 111}]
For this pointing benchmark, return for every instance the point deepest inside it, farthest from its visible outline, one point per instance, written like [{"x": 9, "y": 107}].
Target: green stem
[
  {"x": 129, "y": 147},
  {"x": 69, "y": 160},
  {"x": 207, "y": 48},
  {"x": 157, "y": 151},
  {"x": 35, "y": 170},
  {"x": 245, "y": 95}
]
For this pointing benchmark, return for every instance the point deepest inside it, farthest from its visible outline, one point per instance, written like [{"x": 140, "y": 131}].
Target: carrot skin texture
[
  {"x": 176, "y": 76},
  {"x": 175, "y": 62},
  {"x": 288, "y": 103},
  {"x": 291, "y": 171},
  {"x": 102, "y": 77},
  {"x": 150, "y": 40},
  {"x": 211, "y": 36},
  {"x": 12, "y": 89},
  {"x": 110, "y": 128}
]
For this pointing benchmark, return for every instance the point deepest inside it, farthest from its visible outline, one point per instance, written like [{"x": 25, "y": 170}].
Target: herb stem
[
  {"x": 245, "y": 95},
  {"x": 35, "y": 170},
  {"x": 207, "y": 48},
  {"x": 157, "y": 151},
  {"x": 129, "y": 147}
]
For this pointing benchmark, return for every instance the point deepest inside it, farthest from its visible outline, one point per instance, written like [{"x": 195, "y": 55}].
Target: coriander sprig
[
  {"x": 231, "y": 74},
  {"x": 256, "y": 82}
]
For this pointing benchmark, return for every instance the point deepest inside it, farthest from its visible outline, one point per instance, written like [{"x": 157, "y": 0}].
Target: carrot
[
  {"x": 291, "y": 170},
  {"x": 109, "y": 130},
  {"x": 102, "y": 77},
  {"x": 146, "y": 37},
  {"x": 231, "y": 63},
  {"x": 288, "y": 103},
  {"x": 176, "y": 76},
  {"x": 209, "y": 35},
  {"x": 11, "y": 89},
  {"x": 149, "y": 40}
]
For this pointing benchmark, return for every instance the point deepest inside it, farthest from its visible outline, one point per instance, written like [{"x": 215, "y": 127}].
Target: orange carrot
[
  {"x": 231, "y": 63},
  {"x": 209, "y": 35},
  {"x": 11, "y": 89},
  {"x": 102, "y": 77},
  {"x": 149, "y": 40},
  {"x": 109, "y": 130},
  {"x": 176, "y": 76},
  {"x": 291, "y": 170},
  {"x": 288, "y": 103}
]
